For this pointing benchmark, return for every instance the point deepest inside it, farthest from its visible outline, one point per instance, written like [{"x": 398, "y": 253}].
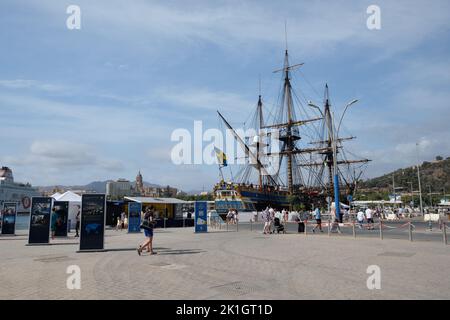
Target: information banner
[
  {"x": 60, "y": 215},
  {"x": 201, "y": 216},
  {"x": 40, "y": 220},
  {"x": 134, "y": 216},
  {"x": 92, "y": 227},
  {"x": 9, "y": 214}
]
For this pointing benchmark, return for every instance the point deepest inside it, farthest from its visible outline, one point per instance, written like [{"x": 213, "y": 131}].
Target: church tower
[{"x": 140, "y": 183}]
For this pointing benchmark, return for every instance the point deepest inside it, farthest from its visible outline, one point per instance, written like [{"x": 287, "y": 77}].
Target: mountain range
[{"x": 96, "y": 186}]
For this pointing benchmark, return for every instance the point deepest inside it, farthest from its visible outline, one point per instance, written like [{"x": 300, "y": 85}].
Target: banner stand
[
  {"x": 92, "y": 223},
  {"x": 9, "y": 217},
  {"x": 134, "y": 217},
  {"x": 201, "y": 217},
  {"x": 40, "y": 216}
]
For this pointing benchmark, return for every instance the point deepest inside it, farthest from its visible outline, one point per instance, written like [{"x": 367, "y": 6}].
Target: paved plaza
[{"x": 226, "y": 265}]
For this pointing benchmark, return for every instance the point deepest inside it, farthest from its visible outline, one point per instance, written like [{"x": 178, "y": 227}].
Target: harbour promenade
[{"x": 226, "y": 265}]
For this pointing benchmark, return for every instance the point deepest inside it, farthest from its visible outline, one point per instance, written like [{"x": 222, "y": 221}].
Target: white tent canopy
[
  {"x": 56, "y": 195},
  {"x": 356, "y": 203},
  {"x": 69, "y": 196},
  {"x": 74, "y": 205}
]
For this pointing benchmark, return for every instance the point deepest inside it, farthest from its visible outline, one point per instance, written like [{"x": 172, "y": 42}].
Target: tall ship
[
  {"x": 11, "y": 191},
  {"x": 294, "y": 158}
]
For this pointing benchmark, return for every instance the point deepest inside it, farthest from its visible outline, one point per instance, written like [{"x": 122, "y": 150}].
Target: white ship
[{"x": 11, "y": 191}]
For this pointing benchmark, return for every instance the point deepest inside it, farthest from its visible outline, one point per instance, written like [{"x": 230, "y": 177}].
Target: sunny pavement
[{"x": 226, "y": 265}]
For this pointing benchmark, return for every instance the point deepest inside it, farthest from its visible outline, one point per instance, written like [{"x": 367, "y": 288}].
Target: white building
[
  {"x": 11, "y": 191},
  {"x": 119, "y": 189}
]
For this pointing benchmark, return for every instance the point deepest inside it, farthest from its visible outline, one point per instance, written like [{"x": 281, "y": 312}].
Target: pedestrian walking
[
  {"x": 122, "y": 221},
  {"x": 271, "y": 219},
  {"x": 369, "y": 217},
  {"x": 147, "y": 225},
  {"x": 77, "y": 223},
  {"x": 360, "y": 218},
  {"x": 53, "y": 223},
  {"x": 335, "y": 225},
  {"x": 318, "y": 217}
]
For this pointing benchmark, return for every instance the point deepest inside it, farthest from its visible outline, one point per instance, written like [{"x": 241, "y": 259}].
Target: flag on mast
[{"x": 221, "y": 157}]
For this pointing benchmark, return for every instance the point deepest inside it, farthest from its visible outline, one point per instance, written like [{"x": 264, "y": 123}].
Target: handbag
[{"x": 147, "y": 224}]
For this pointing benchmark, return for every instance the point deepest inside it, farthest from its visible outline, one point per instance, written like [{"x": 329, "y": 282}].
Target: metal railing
[{"x": 381, "y": 229}]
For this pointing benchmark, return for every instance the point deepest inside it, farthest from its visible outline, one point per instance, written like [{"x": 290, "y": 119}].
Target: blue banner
[
  {"x": 201, "y": 216},
  {"x": 134, "y": 216}
]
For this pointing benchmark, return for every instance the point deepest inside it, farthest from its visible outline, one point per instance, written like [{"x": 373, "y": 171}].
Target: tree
[
  {"x": 296, "y": 203},
  {"x": 439, "y": 158}
]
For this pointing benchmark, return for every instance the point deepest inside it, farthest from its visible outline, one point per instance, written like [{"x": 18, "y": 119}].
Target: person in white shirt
[
  {"x": 229, "y": 216},
  {"x": 266, "y": 219},
  {"x": 271, "y": 218},
  {"x": 369, "y": 217},
  {"x": 284, "y": 215},
  {"x": 360, "y": 218}
]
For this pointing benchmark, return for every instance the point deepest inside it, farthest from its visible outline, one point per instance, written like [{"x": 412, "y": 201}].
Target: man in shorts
[
  {"x": 360, "y": 218},
  {"x": 318, "y": 218},
  {"x": 369, "y": 217}
]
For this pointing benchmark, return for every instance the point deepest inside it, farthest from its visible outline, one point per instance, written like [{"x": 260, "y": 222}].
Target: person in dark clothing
[{"x": 77, "y": 225}]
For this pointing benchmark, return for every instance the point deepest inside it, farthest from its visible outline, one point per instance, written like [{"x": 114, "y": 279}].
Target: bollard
[
  {"x": 381, "y": 229},
  {"x": 227, "y": 225},
  {"x": 354, "y": 231},
  {"x": 183, "y": 223},
  {"x": 237, "y": 225},
  {"x": 329, "y": 226},
  {"x": 251, "y": 224},
  {"x": 444, "y": 232},
  {"x": 410, "y": 231},
  {"x": 164, "y": 223}
]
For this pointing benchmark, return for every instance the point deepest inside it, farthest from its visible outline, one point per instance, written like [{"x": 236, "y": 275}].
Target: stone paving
[{"x": 226, "y": 265}]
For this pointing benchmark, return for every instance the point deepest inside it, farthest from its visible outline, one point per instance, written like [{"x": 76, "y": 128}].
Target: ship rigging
[{"x": 308, "y": 170}]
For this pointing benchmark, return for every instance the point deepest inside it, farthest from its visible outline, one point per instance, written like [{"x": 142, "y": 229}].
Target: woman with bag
[{"x": 147, "y": 225}]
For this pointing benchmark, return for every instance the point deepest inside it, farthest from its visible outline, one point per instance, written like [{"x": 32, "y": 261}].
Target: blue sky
[{"x": 101, "y": 102}]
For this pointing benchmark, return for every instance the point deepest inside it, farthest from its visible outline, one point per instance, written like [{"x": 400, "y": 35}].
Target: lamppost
[
  {"x": 412, "y": 194},
  {"x": 335, "y": 136},
  {"x": 431, "y": 199},
  {"x": 420, "y": 187}
]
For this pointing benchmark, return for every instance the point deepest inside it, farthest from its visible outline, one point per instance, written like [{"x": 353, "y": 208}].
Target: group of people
[
  {"x": 272, "y": 222},
  {"x": 122, "y": 221},
  {"x": 232, "y": 216},
  {"x": 365, "y": 215}
]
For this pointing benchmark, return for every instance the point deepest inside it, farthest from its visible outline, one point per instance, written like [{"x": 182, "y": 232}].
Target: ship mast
[
  {"x": 329, "y": 153},
  {"x": 258, "y": 143},
  {"x": 330, "y": 142},
  {"x": 288, "y": 136}
]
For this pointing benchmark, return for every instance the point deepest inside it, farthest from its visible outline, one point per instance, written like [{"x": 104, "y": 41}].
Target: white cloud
[
  {"x": 313, "y": 27},
  {"x": 203, "y": 99},
  {"x": 50, "y": 160},
  {"x": 32, "y": 84}
]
